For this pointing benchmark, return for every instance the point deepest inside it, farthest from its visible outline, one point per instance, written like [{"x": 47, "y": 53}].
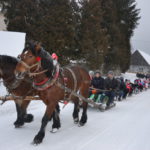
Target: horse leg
[
  {"x": 21, "y": 114},
  {"x": 18, "y": 109},
  {"x": 27, "y": 117},
  {"x": 83, "y": 119},
  {"x": 76, "y": 110},
  {"x": 56, "y": 120},
  {"x": 48, "y": 113},
  {"x": 84, "y": 93}
]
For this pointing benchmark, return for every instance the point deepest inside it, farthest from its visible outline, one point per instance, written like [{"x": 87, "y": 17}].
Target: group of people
[{"x": 106, "y": 90}]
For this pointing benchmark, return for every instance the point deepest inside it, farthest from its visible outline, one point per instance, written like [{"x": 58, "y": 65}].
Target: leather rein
[{"x": 38, "y": 65}]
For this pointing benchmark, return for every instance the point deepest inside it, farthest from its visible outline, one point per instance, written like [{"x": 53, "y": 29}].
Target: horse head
[
  {"x": 32, "y": 60},
  {"x": 7, "y": 66}
]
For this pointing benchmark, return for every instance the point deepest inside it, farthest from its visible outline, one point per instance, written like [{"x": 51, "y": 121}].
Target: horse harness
[
  {"x": 49, "y": 82},
  {"x": 55, "y": 80},
  {"x": 68, "y": 91},
  {"x": 11, "y": 86}
]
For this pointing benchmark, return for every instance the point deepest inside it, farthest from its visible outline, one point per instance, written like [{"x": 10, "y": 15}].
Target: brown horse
[
  {"x": 17, "y": 87},
  {"x": 47, "y": 76}
]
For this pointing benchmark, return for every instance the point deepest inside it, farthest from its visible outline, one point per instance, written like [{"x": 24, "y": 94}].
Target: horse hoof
[
  {"x": 54, "y": 130},
  {"x": 18, "y": 124},
  {"x": 28, "y": 118},
  {"x": 76, "y": 120},
  {"x": 38, "y": 139},
  {"x": 81, "y": 124},
  {"x": 36, "y": 142}
]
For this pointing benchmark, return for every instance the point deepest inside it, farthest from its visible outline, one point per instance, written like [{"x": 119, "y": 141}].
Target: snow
[
  {"x": 146, "y": 56},
  {"x": 11, "y": 43},
  {"x": 125, "y": 127},
  {"x": 2, "y": 90},
  {"x": 129, "y": 76}
]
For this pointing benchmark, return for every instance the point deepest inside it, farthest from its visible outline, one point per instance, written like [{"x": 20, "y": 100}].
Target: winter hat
[
  {"x": 91, "y": 72},
  {"x": 97, "y": 71},
  {"x": 111, "y": 72}
]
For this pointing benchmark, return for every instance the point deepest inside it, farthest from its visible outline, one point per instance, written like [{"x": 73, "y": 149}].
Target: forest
[{"x": 95, "y": 32}]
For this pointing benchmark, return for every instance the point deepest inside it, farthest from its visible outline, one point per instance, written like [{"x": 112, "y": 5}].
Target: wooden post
[{"x": 14, "y": 98}]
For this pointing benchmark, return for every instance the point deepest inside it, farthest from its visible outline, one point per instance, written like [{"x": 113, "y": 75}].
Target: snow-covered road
[{"x": 125, "y": 127}]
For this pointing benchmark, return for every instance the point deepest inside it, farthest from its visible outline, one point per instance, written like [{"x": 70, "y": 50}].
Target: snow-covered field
[{"x": 125, "y": 127}]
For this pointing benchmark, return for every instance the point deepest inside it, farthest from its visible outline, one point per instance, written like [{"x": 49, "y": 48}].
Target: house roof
[
  {"x": 145, "y": 56},
  {"x": 11, "y": 43}
]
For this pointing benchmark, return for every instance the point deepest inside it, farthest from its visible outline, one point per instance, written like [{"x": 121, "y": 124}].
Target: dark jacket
[
  {"x": 111, "y": 84},
  {"x": 98, "y": 82},
  {"x": 122, "y": 86}
]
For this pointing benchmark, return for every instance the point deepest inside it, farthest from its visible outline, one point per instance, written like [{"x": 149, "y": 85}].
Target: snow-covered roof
[
  {"x": 145, "y": 56},
  {"x": 11, "y": 43}
]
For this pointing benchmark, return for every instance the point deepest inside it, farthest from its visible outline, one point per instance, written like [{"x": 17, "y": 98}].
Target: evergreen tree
[
  {"x": 48, "y": 21},
  {"x": 21, "y": 15},
  {"x": 96, "y": 31},
  {"x": 77, "y": 24},
  {"x": 58, "y": 27},
  {"x": 121, "y": 18},
  {"x": 127, "y": 21},
  {"x": 109, "y": 22},
  {"x": 94, "y": 41}
]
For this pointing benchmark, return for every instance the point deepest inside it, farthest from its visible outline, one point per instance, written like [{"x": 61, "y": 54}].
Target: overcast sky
[{"x": 141, "y": 38}]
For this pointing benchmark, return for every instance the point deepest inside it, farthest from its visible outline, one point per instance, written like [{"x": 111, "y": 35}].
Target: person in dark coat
[
  {"x": 98, "y": 83},
  {"x": 122, "y": 88},
  {"x": 111, "y": 84}
]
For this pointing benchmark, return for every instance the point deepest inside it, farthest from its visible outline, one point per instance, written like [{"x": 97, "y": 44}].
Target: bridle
[
  {"x": 31, "y": 74},
  {"x": 47, "y": 82}
]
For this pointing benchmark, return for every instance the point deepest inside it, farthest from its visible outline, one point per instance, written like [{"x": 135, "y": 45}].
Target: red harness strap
[
  {"x": 42, "y": 82},
  {"x": 45, "y": 84}
]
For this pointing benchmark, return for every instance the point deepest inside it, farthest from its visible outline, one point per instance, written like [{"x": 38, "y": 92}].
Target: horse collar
[
  {"x": 42, "y": 82},
  {"x": 12, "y": 85},
  {"x": 47, "y": 82}
]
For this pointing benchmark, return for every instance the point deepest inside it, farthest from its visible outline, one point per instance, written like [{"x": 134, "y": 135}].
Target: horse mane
[
  {"x": 8, "y": 59},
  {"x": 30, "y": 46},
  {"x": 46, "y": 62},
  {"x": 46, "y": 59}
]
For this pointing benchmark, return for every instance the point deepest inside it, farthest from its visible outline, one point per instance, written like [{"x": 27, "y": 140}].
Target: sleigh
[{"x": 93, "y": 103}]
